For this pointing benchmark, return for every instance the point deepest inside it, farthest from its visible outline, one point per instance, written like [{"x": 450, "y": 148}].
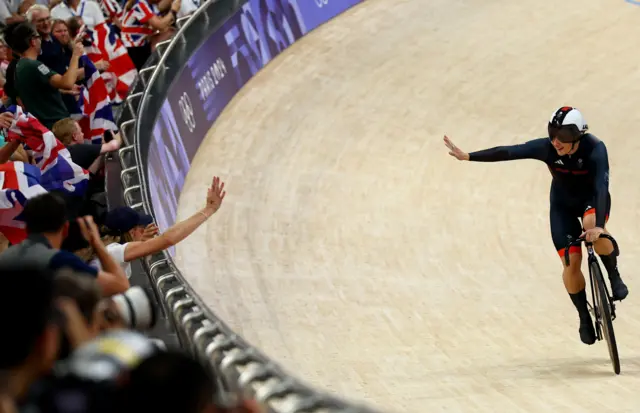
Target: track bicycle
[{"x": 603, "y": 308}]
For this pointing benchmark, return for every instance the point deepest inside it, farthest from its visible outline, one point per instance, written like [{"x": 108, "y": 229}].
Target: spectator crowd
[{"x": 76, "y": 331}]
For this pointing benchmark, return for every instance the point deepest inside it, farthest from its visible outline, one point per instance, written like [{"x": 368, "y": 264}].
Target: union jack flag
[
  {"x": 53, "y": 170},
  {"x": 95, "y": 104},
  {"x": 106, "y": 45},
  {"x": 58, "y": 171},
  {"x": 18, "y": 183},
  {"x": 112, "y": 10}
]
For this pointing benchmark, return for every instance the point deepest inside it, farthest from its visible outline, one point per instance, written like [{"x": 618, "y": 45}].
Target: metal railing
[{"x": 241, "y": 368}]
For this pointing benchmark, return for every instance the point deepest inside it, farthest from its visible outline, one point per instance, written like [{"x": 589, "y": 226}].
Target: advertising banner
[{"x": 217, "y": 70}]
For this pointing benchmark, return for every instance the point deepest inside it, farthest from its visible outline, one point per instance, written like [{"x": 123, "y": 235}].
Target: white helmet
[{"x": 568, "y": 124}]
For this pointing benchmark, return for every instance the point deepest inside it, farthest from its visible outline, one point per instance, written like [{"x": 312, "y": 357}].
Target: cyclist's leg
[
  {"x": 604, "y": 248},
  {"x": 564, "y": 223}
]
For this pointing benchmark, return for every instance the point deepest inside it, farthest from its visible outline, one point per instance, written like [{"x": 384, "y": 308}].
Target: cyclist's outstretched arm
[
  {"x": 600, "y": 162},
  {"x": 533, "y": 149}
]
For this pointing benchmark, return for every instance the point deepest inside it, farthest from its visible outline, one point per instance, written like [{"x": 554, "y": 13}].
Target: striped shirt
[{"x": 135, "y": 28}]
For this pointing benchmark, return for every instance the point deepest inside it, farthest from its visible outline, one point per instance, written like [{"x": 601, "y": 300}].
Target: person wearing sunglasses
[{"x": 579, "y": 202}]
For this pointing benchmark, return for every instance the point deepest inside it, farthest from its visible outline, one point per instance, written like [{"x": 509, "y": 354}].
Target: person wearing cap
[
  {"x": 47, "y": 224},
  {"x": 129, "y": 235}
]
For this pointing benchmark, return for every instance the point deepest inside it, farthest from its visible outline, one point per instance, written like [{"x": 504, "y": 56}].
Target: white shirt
[
  {"x": 117, "y": 253},
  {"x": 89, "y": 10},
  {"x": 8, "y": 8},
  {"x": 187, "y": 7}
]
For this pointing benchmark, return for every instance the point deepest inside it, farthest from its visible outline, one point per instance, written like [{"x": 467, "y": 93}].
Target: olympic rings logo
[{"x": 186, "y": 109}]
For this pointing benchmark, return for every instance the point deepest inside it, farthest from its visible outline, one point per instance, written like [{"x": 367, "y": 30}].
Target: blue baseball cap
[{"x": 123, "y": 219}]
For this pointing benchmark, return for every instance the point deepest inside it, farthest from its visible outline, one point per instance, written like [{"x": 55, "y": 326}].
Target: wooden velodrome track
[{"x": 353, "y": 250}]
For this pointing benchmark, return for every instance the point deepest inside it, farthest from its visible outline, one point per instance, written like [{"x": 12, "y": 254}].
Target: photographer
[
  {"x": 92, "y": 352},
  {"x": 95, "y": 347},
  {"x": 173, "y": 381},
  {"x": 47, "y": 227},
  {"x": 33, "y": 347},
  {"x": 131, "y": 310}
]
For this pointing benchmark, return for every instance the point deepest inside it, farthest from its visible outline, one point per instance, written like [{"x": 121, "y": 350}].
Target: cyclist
[{"x": 579, "y": 167}]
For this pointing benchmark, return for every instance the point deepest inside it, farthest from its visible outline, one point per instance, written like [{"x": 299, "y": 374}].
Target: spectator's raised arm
[
  {"x": 7, "y": 150},
  {"x": 181, "y": 230},
  {"x": 138, "y": 27},
  {"x": 68, "y": 80},
  {"x": 164, "y": 22}
]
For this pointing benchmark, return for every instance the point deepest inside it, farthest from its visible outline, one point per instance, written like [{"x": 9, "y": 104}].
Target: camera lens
[{"x": 136, "y": 308}]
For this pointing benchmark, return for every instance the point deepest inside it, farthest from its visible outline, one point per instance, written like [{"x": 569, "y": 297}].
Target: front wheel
[{"x": 602, "y": 301}]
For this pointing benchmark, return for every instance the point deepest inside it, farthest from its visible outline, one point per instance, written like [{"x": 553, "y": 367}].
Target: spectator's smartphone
[{"x": 81, "y": 31}]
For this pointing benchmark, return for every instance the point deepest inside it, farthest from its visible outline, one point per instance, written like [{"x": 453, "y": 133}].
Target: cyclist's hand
[
  {"x": 455, "y": 151},
  {"x": 592, "y": 235}
]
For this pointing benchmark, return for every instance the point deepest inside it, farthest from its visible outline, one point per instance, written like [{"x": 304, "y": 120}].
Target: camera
[{"x": 134, "y": 308}]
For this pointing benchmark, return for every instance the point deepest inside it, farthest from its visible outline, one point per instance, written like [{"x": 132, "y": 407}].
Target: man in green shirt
[{"x": 37, "y": 87}]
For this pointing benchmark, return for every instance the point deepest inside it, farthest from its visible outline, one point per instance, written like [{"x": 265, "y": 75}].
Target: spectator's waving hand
[{"x": 215, "y": 195}]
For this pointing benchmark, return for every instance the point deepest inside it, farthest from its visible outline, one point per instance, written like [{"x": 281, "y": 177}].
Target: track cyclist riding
[{"x": 579, "y": 165}]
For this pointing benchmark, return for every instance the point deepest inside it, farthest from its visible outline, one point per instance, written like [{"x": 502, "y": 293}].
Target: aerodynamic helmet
[{"x": 567, "y": 124}]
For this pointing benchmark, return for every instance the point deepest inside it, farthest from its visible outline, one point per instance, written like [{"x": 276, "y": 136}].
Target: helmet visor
[{"x": 564, "y": 134}]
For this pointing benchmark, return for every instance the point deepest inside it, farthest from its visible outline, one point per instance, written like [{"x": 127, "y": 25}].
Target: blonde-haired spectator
[
  {"x": 85, "y": 154},
  {"x": 129, "y": 235},
  {"x": 68, "y": 132}
]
